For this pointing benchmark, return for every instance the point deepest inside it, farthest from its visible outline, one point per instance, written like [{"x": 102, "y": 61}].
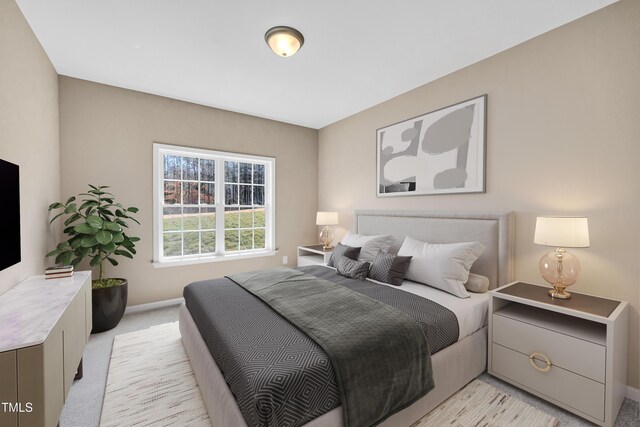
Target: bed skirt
[{"x": 453, "y": 368}]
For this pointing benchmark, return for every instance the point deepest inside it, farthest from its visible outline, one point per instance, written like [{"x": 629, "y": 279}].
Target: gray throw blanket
[{"x": 380, "y": 355}]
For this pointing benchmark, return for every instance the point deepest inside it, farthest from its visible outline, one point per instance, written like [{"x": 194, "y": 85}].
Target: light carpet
[{"x": 150, "y": 383}]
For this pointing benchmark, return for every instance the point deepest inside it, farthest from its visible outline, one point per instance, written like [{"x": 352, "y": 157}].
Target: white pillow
[
  {"x": 370, "y": 245},
  {"x": 442, "y": 266}
]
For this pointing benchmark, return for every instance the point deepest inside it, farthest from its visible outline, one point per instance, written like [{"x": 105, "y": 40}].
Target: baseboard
[
  {"x": 153, "y": 305},
  {"x": 633, "y": 393}
]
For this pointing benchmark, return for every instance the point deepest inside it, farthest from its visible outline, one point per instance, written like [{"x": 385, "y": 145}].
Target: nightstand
[
  {"x": 313, "y": 255},
  {"x": 572, "y": 353}
]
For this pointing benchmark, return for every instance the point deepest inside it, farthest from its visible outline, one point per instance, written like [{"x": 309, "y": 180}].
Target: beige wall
[
  {"x": 28, "y": 136},
  {"x": 562, "y": 138},
  {"x": 106, "y": 137}
]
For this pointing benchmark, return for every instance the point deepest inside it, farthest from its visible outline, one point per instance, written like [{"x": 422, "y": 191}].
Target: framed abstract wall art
[{"x": 441, "y": 152}]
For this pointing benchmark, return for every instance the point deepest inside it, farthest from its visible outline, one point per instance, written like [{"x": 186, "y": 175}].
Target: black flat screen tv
[{"x": 10, "y": 237}]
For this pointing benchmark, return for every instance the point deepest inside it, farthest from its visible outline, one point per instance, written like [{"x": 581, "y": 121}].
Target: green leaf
[
  {"x": 76, "y": 261},
  {"x": 123, "y": 253},
  {"x": 70, "y": 231},
  {"x": 95, "y": 221},
  {"x": 53, "y": 252},
  {"x": 76, "y": 242},
  {"x": 104, "y": 237},
  {"x": 82, "y": 252},
  {"x": 63, "y": 245},
  {"x": 84, "y": 228},
  {"x": 134, "y": 239},
  {"x": 107, "y": 199},
  {"x": 112, "y": 226},
  {"x": 54, "y": 218},
  {"x": 88, "y": 203},
  {"x": 132, "y": 209},
  {"x": 118, "y": 238},
  {"x": 64, "y": 258},
  {"x": 95, "y": 261},
  {"x": 103, "y": 187},
  {"x": 93, "y": 186},
  {"x": 70, "y": 199},
  {"x": 109, "y": 248},
  {"x": 105, "y": 211},
  {"x": 89, "y": 241},
  {"x": 72, "y": 218},
  {"x": 55, "y": 205},
  {"x": 121, "y": 214},
  {"x": 113, "y": 261},
  {"x": 89, "y": 211},
  {"x": 70, "y": 208},
  {"x": 94, "y": 197},
  {"x": 122, "y": 223}
]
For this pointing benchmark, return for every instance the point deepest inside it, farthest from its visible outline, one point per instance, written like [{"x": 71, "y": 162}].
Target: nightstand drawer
[
  {"x": 576, "y": 391},
  {"x": 573, "y": 354}
]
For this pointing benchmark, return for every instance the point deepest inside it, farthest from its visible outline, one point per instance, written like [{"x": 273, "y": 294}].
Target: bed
[{"x": 453, "y": 366}]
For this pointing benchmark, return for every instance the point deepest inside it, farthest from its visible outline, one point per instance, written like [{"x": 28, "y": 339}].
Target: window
[{"x": 211, "y": 205}]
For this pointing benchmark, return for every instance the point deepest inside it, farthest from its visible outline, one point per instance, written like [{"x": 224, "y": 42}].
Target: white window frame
[{"x": 159, "y": 260}]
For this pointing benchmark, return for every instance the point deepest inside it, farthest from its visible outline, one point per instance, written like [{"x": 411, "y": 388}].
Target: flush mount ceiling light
[{"x": 284, "y": 41}]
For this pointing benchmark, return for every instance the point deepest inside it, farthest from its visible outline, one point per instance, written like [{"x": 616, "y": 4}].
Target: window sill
[{"x": 208, "y": 259}]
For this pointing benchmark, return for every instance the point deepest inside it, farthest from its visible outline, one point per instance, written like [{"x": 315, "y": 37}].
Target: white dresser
[
  {"x": 44, "y": 327},
  {"x": 572, "y": 353}
]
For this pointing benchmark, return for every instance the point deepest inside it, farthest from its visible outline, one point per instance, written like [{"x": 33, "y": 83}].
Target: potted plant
[{"x": 96, "y": 230}]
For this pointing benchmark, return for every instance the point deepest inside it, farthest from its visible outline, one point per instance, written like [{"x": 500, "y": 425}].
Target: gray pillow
[
  {"x": 389, "y": 268},
  {"x": 342, "y": 251},
  {"x": 370, "y": 244},
  {"x": 353, "y": 269},
  {"x": 373, "y": 246}
]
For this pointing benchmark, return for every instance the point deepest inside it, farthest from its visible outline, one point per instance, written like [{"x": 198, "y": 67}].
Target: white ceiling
[{"x": 357, "y": 53}]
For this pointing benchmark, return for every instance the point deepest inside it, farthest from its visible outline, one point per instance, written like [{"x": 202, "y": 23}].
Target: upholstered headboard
[{"x": 493, "y": 229}]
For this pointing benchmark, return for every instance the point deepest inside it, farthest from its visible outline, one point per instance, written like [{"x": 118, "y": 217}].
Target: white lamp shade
[
  {"x": 327, "y": 218},
  {"x": 562, "y": 232}
]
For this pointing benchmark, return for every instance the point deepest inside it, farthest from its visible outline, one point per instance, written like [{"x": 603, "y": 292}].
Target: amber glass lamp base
[
  {"x": 326, "y": 237},
  {"x": 560, "y": 269}
]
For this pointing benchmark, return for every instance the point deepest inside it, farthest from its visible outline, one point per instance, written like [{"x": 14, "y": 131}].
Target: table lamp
[
  {"x": 560, "y": 268},
  {"x": 326, "y": 219}
]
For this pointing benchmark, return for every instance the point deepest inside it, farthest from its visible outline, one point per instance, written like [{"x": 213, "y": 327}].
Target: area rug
[
  {"x": 482, "y": 405},
  {"x": 150, "y": 383}
]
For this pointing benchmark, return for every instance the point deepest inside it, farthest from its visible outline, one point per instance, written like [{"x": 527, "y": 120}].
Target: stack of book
[{"x": 58, "y": 272}]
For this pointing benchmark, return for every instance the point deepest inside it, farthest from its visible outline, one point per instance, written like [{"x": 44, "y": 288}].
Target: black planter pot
[{"x": 108, "y": 307}]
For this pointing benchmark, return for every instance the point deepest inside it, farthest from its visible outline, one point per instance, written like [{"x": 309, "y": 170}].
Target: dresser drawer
[
  {"x": 582, "y": 394},
  {"x": 572, "y": 354}
]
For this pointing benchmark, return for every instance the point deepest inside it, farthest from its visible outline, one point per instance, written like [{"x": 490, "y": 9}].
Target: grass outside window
[{"x": 244, "y": 229}]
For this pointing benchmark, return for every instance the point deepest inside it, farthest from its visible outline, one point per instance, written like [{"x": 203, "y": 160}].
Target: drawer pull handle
[{"x": 546, "y": 360}]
